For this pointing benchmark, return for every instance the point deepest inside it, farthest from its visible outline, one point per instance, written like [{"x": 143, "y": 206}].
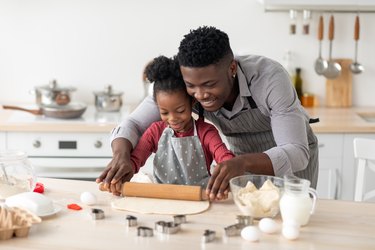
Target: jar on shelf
[
  {"x": 17, "y": 174},
  {"x": 306, "y": 22},
  {"x": 293, "y": 22}
]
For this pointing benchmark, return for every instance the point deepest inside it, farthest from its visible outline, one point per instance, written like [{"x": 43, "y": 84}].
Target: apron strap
[
  {"x": 314, "y": 120},
  {"x": 200, "y": 111},
  {"x": 252, "y": 103}
]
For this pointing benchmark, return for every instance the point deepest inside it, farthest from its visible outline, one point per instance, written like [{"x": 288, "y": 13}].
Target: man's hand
[
  {"x": 119, "y": 169},
  {"x": 218, "y": 185}
]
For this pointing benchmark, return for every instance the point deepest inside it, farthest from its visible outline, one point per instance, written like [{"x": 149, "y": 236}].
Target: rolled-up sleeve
[
  {"x": 288, "y": 122},
  {"x": 133, "y": 126}
]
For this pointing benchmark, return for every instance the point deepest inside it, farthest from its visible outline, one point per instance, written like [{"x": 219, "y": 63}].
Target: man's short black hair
[{"x": 203, "y": 46}]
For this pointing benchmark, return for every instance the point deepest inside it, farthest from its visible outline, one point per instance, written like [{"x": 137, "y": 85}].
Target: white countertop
[
  {"x": 332, "y": 120},
  {"x": 90, "y": 121},
  {"x": 342, "y": 120},
  {"x": 334, "y": 225}
]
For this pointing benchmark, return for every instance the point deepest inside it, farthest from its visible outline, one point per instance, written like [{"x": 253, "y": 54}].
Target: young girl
[{"x": 184, "y": 148}]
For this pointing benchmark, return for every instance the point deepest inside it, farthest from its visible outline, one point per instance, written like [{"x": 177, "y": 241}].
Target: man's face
[{"x": 211, "y": 85}]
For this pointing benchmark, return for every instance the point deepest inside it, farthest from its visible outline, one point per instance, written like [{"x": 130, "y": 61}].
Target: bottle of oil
[{"x": 298, "y": 82}]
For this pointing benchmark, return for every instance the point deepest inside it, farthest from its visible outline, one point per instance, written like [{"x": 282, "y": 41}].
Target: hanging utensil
[
  {"x": 321, "y": 65},
  {"x": 333, "y": 69},
  {"x": 356, "y": 67}
]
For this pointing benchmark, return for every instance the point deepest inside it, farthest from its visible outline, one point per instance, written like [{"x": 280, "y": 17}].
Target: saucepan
[
  {"x": 52, "y": 94},
  {"x": 108, "y": 100},
  {"x": 69, "y": 111}
]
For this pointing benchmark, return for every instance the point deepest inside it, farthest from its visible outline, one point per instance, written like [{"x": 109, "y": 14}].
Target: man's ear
[{"x": 233, "y": 67}]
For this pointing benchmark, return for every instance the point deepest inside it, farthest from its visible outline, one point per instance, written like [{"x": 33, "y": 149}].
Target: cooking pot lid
[
  {"x": 108, "y": 91},
  {"x": 53, "y": 86}
]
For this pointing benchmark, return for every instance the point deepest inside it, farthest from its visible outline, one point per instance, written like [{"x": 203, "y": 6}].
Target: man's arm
[
  {"x": 123, "y": 139},
  {"x": 133, "y": 126}
]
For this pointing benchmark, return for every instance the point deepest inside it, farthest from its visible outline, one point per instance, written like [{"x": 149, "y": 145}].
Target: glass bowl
[
  {"x": 16, "y": 173},
  {"x": 257, "y": 196}
]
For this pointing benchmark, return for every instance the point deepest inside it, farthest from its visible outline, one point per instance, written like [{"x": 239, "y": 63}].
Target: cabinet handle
[
  {"x": 37, "y": 144},
  {"x": 321, "y": 145},
  {"x": 98, "y": 144}
]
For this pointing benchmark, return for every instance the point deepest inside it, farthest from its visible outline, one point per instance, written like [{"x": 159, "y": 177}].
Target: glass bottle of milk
[{"x": 296, "y": 205}]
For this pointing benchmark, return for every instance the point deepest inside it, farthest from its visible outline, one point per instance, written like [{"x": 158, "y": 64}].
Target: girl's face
[{"x": 175, "y": 110}]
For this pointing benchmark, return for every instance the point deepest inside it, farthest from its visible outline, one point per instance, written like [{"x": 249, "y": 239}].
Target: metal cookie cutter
[
  {"x": 244, "y": 220},
  {"x": 145, "y": 231},
  {"x": 131, "y": 220},
  {"x": 97, "y": 214},
  {"x": 208, "y": 236},
  {"x": 179, "y": 219},
  {"x": 233, "y": 230},
  {"x": 167, "y": 227}
]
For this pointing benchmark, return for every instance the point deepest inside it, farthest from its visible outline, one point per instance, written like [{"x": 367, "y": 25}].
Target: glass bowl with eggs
[{"x": 257, "y": 196}]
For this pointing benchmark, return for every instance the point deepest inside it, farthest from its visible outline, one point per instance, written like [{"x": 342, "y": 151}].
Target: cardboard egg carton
[{"x": 16, "y": 222}]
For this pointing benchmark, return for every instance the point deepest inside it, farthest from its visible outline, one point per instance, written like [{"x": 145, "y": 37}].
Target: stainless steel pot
[
  {"x": 108, "y": 100},
  {"x": 52, "y": 94}
]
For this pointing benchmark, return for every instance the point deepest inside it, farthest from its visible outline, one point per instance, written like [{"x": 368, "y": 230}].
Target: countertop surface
[
  {"x": 335, "y": 225},
  {"x": 343, "y": 120},
  {"x": 332, "y": 120},
  {"x": 90, "y": 121}
]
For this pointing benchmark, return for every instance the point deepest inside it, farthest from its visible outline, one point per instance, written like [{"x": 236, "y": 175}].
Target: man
[{"x": 250, "y": 99}]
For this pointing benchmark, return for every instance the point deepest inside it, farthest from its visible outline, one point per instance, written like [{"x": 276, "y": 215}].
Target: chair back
[{"x": 364, "y": 153}]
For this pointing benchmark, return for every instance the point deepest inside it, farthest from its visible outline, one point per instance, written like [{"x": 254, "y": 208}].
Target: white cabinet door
[{"x": 330, "y": 165}]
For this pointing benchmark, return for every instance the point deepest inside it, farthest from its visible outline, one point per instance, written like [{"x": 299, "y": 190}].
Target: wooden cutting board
[{"x": 339, "y": 90}]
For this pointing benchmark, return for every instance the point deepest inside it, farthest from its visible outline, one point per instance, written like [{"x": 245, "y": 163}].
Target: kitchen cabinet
[
  {"x": 330, "y": 165},
  {"x": 337, "y": 166},
  {"x": 319, "y": 5}
]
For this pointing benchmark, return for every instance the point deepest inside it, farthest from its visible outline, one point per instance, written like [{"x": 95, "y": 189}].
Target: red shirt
[{"x": 213, "y": 146}]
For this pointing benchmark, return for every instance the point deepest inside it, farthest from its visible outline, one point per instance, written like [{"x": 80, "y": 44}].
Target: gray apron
[
  {"x": 180, "y": 160},
  {"x": 250, "y": 131}
]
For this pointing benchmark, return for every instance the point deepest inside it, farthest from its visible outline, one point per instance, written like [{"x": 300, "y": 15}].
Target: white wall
[{"x": 91, "y": 43}]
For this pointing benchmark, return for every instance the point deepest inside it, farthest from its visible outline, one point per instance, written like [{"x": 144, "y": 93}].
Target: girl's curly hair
[{"x": 165, "y": 73}]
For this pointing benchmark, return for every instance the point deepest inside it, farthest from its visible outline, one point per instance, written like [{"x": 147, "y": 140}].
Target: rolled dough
[{"x": 160, "y": 206}]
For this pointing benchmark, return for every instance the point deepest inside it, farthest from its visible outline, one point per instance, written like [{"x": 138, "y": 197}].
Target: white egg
[
  {"x": 268, "y": 225},
  {"x": 250, "y": 233},
  {"x": 88, "y": 198},
  {"x": 291, "y": 232}
]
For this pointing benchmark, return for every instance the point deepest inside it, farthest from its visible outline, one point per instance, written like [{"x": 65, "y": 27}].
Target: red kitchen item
[
  {"x": 39, "y": 188},
  {"x": 74, "y": 206}
]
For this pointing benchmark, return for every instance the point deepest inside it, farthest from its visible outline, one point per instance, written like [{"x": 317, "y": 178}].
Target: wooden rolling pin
[{"x": 161, "y": 191}]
